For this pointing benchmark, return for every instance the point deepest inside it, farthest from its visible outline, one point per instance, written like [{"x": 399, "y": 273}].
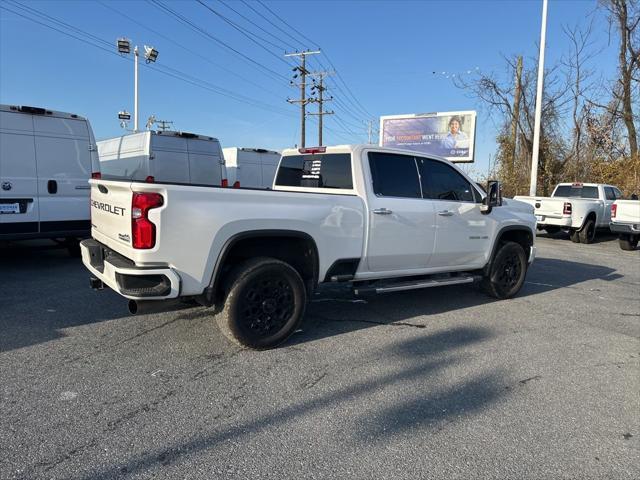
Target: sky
[{"x": 222, "y": 81}]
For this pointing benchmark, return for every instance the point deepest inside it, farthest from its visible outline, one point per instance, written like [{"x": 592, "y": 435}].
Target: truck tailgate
[
  {"x": 545, "y": 206},
  {"x": 111, "y": 210}
]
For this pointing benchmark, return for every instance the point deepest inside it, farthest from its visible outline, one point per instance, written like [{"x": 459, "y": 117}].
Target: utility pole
[
  {"x": 320, "y": 89},
  {"x": 538, "y": 114},
  {"x": 370, "y": 129},
  {"x": 302, "y": 72}
]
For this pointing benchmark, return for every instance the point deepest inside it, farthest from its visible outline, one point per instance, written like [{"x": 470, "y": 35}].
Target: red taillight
[
  {"x": 143, "y": 231},
  {"x": 614, "y": 210},
  {"x": 567, "y": 208},
  {"x": 150, "y": 179},
  {"x": 236, "y": 184},
  {"x": 225, "y": 183},
  {"x": 96, "y": 175}
]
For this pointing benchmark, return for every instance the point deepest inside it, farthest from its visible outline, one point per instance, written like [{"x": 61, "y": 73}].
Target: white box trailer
[
  {"x": 46, "y": 161},
  {"x": 251, "y": 167},
  {"x": 170, "y": 157}
]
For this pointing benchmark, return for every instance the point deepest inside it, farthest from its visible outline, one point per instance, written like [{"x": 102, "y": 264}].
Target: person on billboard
[{"x": 455, "y": 138}]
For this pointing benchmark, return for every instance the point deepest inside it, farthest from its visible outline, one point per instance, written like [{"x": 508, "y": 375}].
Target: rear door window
[
  {"x": 330, "y": 170},
  {"x": 394, "y": 175},
  {"x": 442, "y": 182}
]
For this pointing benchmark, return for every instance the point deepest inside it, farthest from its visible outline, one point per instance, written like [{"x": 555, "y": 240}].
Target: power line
[
  {"x": 273, "y": 24},
  {"x": 357, "y": 102},
  {"x": 163, "y": 69},
  {"x": 206, "y": 34},
  {"x": 283, "y": 45},
  {"x": 291, "y": 27},
  {"x": 243, "y": 31}
]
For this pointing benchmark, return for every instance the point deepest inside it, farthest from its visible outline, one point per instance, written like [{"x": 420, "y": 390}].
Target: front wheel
[
  {"x": 264, "y": 305},
  {"x": 628, "y": 242},
  {"x": 507, "y": 272}
]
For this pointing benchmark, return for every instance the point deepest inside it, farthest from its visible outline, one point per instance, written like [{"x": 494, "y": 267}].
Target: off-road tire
[
  {"x": 507, "y": 272},
  {"x": 264, "y": 303},
  {"x": 628, "y": 242},
  {"x": 587, "y": 233}
]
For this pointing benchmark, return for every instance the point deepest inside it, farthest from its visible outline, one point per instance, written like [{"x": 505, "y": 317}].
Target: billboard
[{"x": 448, "y": 134}]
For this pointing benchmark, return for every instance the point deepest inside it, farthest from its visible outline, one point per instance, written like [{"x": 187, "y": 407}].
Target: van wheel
[
  {"x": 507, "y": 272},
  {"x": 588, "y": 231},
  {"x": 264, "y": 305},
  {"x": 628, "y": 242},
  {"x": 574, "y": 235}
]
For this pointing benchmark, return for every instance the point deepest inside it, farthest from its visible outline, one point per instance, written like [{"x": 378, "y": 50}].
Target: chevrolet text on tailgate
[{"x": 382, "y": 220}]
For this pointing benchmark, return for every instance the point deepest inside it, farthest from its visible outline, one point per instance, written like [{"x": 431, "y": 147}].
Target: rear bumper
[
  {"x": 632, "y": 228},
  {"x": 553, "y": 220},
  {"x": 125, "y": 277}
]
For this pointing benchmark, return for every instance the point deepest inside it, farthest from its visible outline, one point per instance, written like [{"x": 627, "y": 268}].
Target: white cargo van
[
  {"x": 173, "y": 157},
  {"x": 251, "y": 167},
  {"x": 46, "y": 161}
]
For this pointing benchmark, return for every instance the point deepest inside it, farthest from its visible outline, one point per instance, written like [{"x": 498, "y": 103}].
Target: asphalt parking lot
[{"x": 436, "y": 383}]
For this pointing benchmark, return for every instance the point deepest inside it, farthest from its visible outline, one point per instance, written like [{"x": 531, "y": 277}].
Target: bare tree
[{"x": 625, "y": 15}]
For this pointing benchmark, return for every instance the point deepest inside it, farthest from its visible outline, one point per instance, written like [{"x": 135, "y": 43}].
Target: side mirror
[{"x": 493, "y": 198}]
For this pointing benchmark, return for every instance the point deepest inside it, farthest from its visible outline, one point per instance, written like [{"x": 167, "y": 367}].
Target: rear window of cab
[
  {"x": 576, "y": 191},
  {"x": 329, "y": 170}
]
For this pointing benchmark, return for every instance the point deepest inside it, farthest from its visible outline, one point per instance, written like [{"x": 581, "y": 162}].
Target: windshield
[{"x": 576, "y": 191}]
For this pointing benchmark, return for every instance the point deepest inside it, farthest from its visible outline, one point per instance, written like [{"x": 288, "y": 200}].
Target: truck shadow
[
  {"x": 602, "y": 236},
  {"x": 43, "y": 291},
  {"x": 419, "y": 360},
  {"x": 335, "y": 310}
]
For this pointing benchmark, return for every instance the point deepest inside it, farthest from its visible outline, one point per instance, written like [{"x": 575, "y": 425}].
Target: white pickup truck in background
[
  {"x": 579, "y": 208},
  {"x": 625, "y": 221},
  {"x": 384, "y": 220}
]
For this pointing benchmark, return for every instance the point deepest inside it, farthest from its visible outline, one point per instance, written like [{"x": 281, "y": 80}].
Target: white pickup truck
[
  {"x": 625, "y": 221},
  {"x": 384, "y": 220},
  {"x": 579, "y": 208}
]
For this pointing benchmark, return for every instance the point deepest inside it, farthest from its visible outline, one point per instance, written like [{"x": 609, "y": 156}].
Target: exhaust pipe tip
[{"x": 133, "y": 307}]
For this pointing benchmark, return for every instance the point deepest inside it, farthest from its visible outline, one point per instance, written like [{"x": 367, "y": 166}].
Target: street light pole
[
  {"x": 135, "y": 89},
  {"x": 538, "y": 114},
  {"x": 150, "y": 55}
]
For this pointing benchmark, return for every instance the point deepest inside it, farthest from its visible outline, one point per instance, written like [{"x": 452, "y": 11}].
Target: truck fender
[
  {"x": 210, "y": 292},
  {"x": 496, "y": 244}
]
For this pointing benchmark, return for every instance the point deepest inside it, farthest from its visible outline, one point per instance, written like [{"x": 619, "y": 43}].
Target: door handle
[
  {"x": 445, "y": 213},
  {"x": 382, "y": 211}
]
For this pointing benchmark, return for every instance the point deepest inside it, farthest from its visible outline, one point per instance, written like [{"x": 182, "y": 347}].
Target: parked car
[
  {"x": 384, "y": 220},
  {"x": 177, "y": 157},
  {"x": 46, "y": 161},
  {"x": 579, "y": 208},
  {"x": 625, "y": 221},
  {"x": 251, "y": 167}
]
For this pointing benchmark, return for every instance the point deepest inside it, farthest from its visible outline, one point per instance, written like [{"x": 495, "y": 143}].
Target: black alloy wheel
[
  {"x": 265, "y": 303},
  {"x": 507, "y": 272}
]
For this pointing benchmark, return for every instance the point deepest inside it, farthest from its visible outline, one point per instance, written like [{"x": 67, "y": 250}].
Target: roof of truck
[{"x": 29, "y": 110}]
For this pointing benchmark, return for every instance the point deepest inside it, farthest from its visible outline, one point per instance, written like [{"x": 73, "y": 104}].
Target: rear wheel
[
  {"x": 73, "y": 247},
  {"x": 264, "y": 305},
  {"x": 628, "y": 242},
  {"x": 587, "y": 233},
  {"x": 574, "y": 235},
  {"x": 507, "y": 272}
]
